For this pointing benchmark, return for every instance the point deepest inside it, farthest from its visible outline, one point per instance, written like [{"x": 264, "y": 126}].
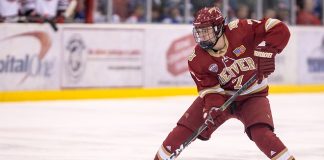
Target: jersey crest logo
[
  {"x": 213, "y": 68},
  {"x": 239, "y": 50},
  {"x": 233, "y": 24}
]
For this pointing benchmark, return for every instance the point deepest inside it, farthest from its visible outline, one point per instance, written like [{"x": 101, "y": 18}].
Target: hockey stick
[
  {"x": 209, "y": 118},
  {"x": 51, "y": 22}
]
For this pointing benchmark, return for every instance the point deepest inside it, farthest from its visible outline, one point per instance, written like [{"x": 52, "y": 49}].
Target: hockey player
[
  {"x": 224, "y": 59},
  {"x": 47, "y": 9},
  {"x": 9, "y": 10},
  {"x": 27, "y": 7}
]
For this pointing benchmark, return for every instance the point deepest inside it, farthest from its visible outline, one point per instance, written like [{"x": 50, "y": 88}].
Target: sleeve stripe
[
  {"x": 216, "y": 89},
  {"x": 283, "y": 155},
  {"x": 163, "y": 154},
  {"x": 270, "y": 23}
]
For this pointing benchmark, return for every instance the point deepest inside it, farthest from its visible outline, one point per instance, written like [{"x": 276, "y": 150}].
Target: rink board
[
  {"x": 92, "y": 62},
  {"x": 133, "y": 93}
]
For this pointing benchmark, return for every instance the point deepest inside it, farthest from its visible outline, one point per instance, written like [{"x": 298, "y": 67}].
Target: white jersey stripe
[
  {"x": 285, "y": 155},
  {"x": 253, "y": 88},
  {"x": 216, "y": 89},
  {"x": 162, "y": 153}
]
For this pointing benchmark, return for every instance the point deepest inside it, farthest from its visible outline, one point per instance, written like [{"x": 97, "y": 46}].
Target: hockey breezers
[{"x": 209, "y": 118}]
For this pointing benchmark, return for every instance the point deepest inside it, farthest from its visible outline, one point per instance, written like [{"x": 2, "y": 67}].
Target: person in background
[
  {"x": 27, "y": 8},
  {"x": 100, "y": 11},
  {"x": 283, "y": 12},
  {"x": 137, "y": 15},
  {"x": 318, "y": 8},
  {"x": 197, "y": 5},
  {"x": 305, "y": 14},
  {"x": 84, "y": 11},
  {"x": 80, "y": 12},
  {"x": 65, "y": 10},
  {"x": 156, "y": 14},
  {"x": 47, "y": 9},
  {"x": 9, "y": 10},
  {"x": 243, "y": 12},
  {"x": 120, "y": 11},
  {"x": 174, "y": 16},
  {"x": 270, "y": 13}
]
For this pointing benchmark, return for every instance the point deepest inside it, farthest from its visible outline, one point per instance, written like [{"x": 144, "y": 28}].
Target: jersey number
[{"x": 238, "y": 81}]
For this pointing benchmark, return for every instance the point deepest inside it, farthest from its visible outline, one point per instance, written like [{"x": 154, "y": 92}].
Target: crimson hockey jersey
[{"x": 225, "y": 71}]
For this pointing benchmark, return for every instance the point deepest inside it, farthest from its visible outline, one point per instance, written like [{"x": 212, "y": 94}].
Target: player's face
[{"x": 205, "y": 36}]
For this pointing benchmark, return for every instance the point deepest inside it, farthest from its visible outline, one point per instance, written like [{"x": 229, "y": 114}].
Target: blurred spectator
[
  {"x": 9, "y": 10},
  {"x": 115, "y": 18},
  {"x": 243, "y": 12},
  {"x": 101, "y": 5},
  {"x": 305, "y": 14},
  {"x": 309, "y": 12},
  {"x": 283, "y": 11},
  {"x": 28, "y": 7},
  {"x": 156, "y": 14},
  {"x": 62, "y": 6},
  {"x": 137, "y": 15},
  {"x": 163, "y": 11},
  {"x": 84, "y": 11},
  {"x": 231, "y": 15},
  {"x": 40, "y": 10},
  {"x": 270, "y": 13},
  {"x": 318, "y": 8},
  {"x": 80, "y": 12},
  {"x": 133, "y": 4},
  {"x": 198, "y": 4},
  {"x": 120, "y": 10},
  {"x": 46, "y": 9},
  {"x": 174, "y": 16},
  {"x": 269, "y": 4},
  {"x": 100, "y": 11}
]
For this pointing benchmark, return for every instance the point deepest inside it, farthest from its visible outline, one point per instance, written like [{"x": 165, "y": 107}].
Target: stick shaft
[{"x": 204, "y": 126}]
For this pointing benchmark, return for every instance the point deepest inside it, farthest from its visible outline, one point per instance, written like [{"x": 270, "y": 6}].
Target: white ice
[{"x": 133, "y": 129}]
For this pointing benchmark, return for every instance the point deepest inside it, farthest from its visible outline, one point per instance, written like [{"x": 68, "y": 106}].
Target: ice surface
[{"x": 133, "y": 129}]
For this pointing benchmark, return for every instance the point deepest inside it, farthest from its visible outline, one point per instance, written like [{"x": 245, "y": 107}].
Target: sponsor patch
[
  {"x": 213, "y": 68},
  {"x": 263, "y": 54},
  {"x": 239, "y": 50}
]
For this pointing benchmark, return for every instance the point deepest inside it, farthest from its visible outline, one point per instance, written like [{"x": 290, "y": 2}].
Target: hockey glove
[
  {"x": 213, "y": 117},
  {"x": 265, "y": 61},
  {"x": 211, "y": 114}
]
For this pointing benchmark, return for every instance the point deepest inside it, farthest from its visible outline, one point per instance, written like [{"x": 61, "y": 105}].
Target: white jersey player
[
  {"x": 47, "y": 9},
  {"x": 9, "y": 10},
  {"x": 27, "y": 6},
  {"x": 63, "y": 5}
]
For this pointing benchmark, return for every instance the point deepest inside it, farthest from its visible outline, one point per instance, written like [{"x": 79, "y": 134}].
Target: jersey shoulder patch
[
  {"x": 234, "y": 24},
  {"x": 239, "y": 24},
  {"x": 192, "y": 55}
]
